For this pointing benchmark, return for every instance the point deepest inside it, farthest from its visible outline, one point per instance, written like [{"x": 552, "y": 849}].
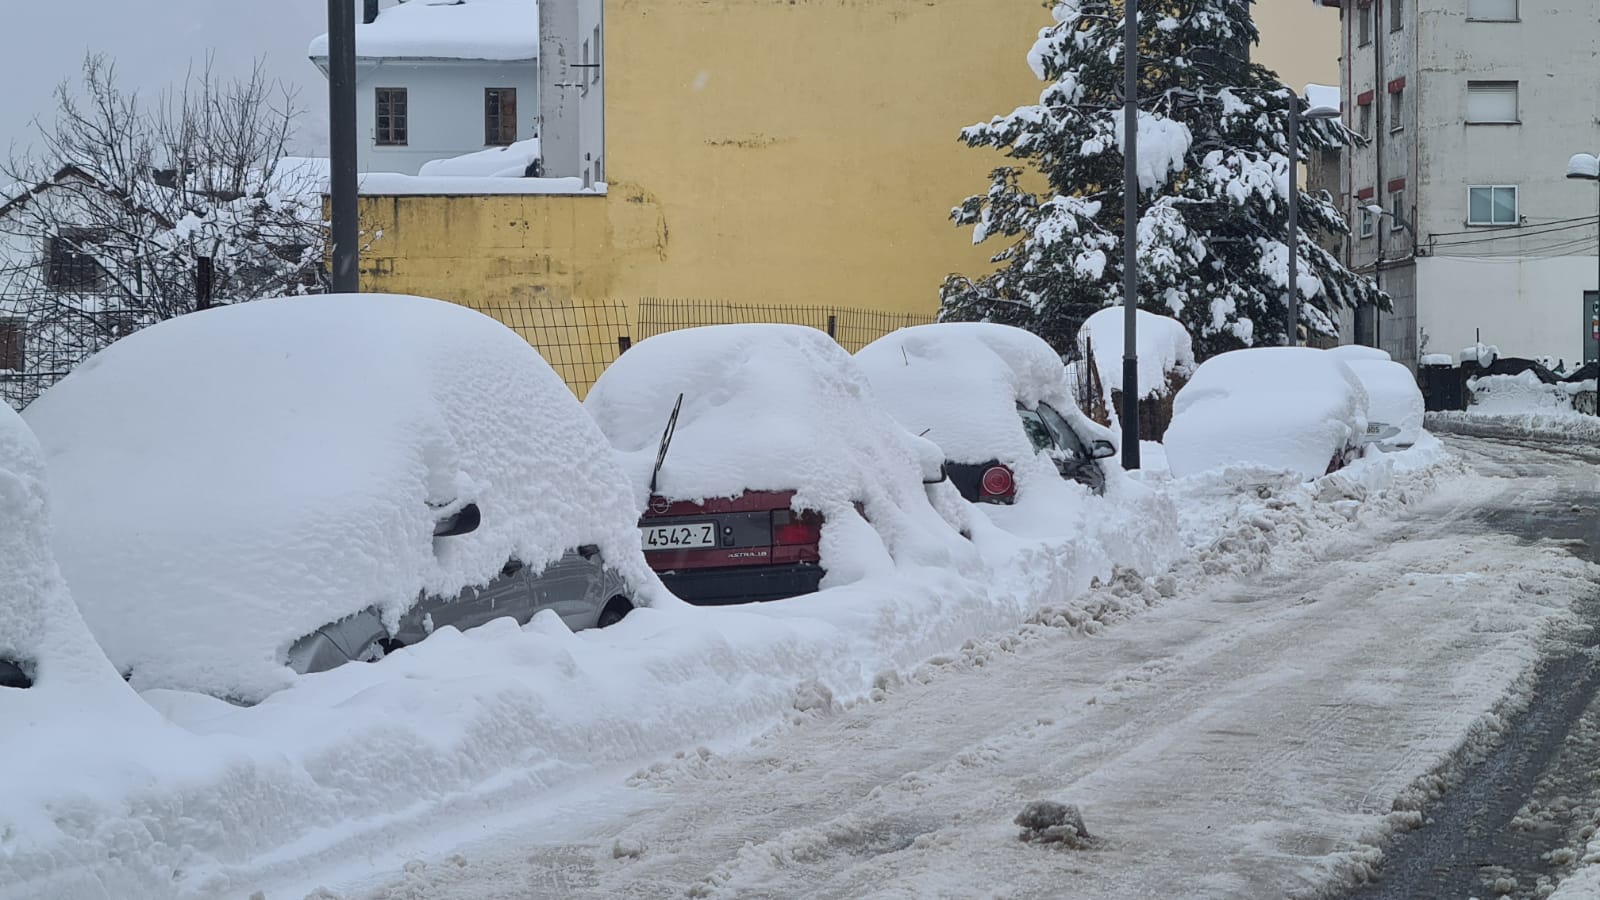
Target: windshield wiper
[{"x": 666, "y": 441}]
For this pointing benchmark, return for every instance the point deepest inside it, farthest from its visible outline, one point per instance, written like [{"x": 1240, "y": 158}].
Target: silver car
[{"x": 578, "y": 587}]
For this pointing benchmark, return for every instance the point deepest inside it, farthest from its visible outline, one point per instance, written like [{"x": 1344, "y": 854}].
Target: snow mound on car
[
  {"x": 1393, "y": 397},
  {"x": 1355, "y": 352},
  {"x": 775, "y": 408},
  {"x": 229, "y": 481},
  {"x": 1289, "y": 408},
  {"x": 40, "y": 629},
  {"x": 959, "y": 383}
]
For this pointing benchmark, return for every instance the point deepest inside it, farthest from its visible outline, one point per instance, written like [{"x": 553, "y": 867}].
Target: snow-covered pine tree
[{"x": 1213, "y": 178}]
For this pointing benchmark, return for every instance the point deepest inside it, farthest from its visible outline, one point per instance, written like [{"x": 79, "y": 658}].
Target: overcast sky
[{"x": 153, "y": 43}]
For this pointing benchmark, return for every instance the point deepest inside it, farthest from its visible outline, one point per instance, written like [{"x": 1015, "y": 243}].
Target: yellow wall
[{"x": 766, "y": 152}]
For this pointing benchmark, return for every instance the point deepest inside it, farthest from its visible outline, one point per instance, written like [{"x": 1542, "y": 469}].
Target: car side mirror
[
  {"x": 1102, "y": 449},
  {"x": 14, "y": 674},
  {"x": 463, "y": 521},
  {"x": 944, "y": 475}
]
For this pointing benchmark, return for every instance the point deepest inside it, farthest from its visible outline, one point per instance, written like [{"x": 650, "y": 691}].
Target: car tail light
[
  {"x": 789, "y": 529},
  {"x": 997, "y": 483}
]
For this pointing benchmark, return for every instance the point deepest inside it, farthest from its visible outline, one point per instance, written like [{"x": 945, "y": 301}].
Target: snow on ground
[
  {"x": 206, "y": 523},
  {"x": 358, "y": 770}
]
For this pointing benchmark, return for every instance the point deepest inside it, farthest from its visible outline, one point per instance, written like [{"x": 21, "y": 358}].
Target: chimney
[{"x": 369, "y": 11}]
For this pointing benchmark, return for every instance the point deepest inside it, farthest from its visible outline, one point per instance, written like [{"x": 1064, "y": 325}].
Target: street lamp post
[
  {"x": 1292, "y": 301},
  {"x": 1586, "y": 166},
  {"x": 1130, "y": 235}
]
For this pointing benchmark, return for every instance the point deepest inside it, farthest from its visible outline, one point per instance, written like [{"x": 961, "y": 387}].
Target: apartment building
[{"x": 1459, "y": 204}]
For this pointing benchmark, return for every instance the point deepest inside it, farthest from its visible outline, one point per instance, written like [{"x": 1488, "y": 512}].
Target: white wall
[
  {"x": 444, "y": 108},
  {"x": 573, "y": 107},
  {"x": 1527, "y": 307}
]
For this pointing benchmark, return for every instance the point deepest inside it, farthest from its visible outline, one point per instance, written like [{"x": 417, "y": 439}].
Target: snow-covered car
[
  {"x": 43, "y": 642},
  {"x": 1395, "y": 407},
  {"x": 1295, "y": 409},
  {"x": 763, "y": 468},
  {"x": 996, "y": 401},
  {"x": 293, "y": 483}
]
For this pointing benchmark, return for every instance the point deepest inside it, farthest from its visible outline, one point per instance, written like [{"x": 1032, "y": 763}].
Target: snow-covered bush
[
  {"x": 782, "y": 408},
  {"x": 1166, "y": 360},
  {"x": 229, "y": 481},
  {"x": 1288, "y": 408}
]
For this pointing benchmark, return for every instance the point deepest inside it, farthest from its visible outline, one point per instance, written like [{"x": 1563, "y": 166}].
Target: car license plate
[
  {"x": 679, "y": 537},
  {"x": 1376, "y": 427}
]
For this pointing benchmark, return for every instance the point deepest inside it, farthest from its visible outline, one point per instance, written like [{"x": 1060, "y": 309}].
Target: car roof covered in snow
[
  {"x": 231, "y": 480},
  {"x": 960, "y": 383},
  {"x": 1287, "y": 408}
]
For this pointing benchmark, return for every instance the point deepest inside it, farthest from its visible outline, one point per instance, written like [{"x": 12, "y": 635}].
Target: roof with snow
[{"x": 447, "y": 29}]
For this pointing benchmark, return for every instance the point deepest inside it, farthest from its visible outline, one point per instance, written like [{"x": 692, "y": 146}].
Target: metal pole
[
  {"x": 1292, "y": 297},
  {"x": 202, "y": 282},
  {"x": 1130, "y": 235},
  {"x": 1594, "y": 312},
  {"x": 342, "y": 144}
]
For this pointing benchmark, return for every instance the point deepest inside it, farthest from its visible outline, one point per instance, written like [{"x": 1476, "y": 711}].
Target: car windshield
[
  {"x": 1066, "y": 438},
  {"x": 1038, "y": 432}
]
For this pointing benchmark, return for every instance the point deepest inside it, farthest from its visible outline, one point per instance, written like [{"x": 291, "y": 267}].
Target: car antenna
[
  {"x": 666, "y": 441},
  {"x": 905, "y": 356}
]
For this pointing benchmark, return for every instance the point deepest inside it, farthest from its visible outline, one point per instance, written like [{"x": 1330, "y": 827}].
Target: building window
[
  {"x": 594, "y": 75},
  {"x": 1397, "y": 210},
  {"x": 1397, "y": 14},
  {"x": 69, "y": 261},
  {"x": 1397, "y": 110},
  {"x": 391, "y": 106},
  {"x": 499, "y": 116},
  {"x": 13, "y": 345},
  {"x": 1492, "y": 205},
  {"x": 1369, "y": 222},
  {"x": 1365, "y": 15},
  {"x": 1492, "y": 10},
  {"x": 1366, "y": 120},
  {"x": 1491, "y": 103}
]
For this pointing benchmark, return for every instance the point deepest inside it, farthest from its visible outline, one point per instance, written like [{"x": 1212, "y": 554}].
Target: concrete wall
[
  {"x": 572, "y": 108},
  {"x": 768, "y": 153},
  {"x": 444, "y": 108},
  {"x": 1526, "y": 307}
]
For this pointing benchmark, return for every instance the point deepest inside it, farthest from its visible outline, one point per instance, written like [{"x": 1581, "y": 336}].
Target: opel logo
[{"x": 659, "y": 505}]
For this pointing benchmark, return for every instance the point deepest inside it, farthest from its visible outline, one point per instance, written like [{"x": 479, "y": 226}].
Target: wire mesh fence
[
  {"x": 578, "y": 340},
  {"x": 852, "y": 328}
]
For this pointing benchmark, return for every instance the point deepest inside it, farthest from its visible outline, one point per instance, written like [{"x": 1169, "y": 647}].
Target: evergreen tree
[{"x": 1213, "y": 180}]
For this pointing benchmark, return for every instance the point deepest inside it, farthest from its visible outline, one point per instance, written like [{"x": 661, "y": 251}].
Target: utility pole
[
  {"x": 342, "y": 144},
  {"x": 1292, "y": 298},
  {"x": 1130, "y": 236}
]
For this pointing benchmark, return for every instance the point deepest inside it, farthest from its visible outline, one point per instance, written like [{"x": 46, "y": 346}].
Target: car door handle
[{"x": 511, "y": 568}]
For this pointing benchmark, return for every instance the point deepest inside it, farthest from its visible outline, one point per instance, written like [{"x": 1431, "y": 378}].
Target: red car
[{"x": 732, "y": 550}]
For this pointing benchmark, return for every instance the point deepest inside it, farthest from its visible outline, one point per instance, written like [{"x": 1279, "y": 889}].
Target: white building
[
  {"x": 1472, "y": 108},
  {"x": 443, "y": 78}
]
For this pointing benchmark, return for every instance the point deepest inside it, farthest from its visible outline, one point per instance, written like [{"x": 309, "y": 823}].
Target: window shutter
[
  {"x": 1492, "y": 101},
  {"x": 508, "y": 115},
  {"x": 1493, "y": 10}
]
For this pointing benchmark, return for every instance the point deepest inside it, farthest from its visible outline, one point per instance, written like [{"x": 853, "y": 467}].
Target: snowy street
[{"x": 1247, "y": 737}]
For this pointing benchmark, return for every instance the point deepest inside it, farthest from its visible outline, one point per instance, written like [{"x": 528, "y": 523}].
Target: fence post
[
  {"x": 202, "y": 283},
  {"x": 833, "y": 326}
]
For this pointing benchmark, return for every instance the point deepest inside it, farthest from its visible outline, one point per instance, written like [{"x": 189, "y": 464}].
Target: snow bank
[
  {"x": 1393, "y": 398},
  {"x": 229, "y": 481},
  {"x": 510, "y": 161},
  {"x": 1164, "y": 347},
  {"x": 1437, "y": 359},
  {"x": 776, "y": 408},
  {"x": 447, "y": 29},
  {"x": 1519, "y": 393},
  {"x": 1288, "y": 408}
]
